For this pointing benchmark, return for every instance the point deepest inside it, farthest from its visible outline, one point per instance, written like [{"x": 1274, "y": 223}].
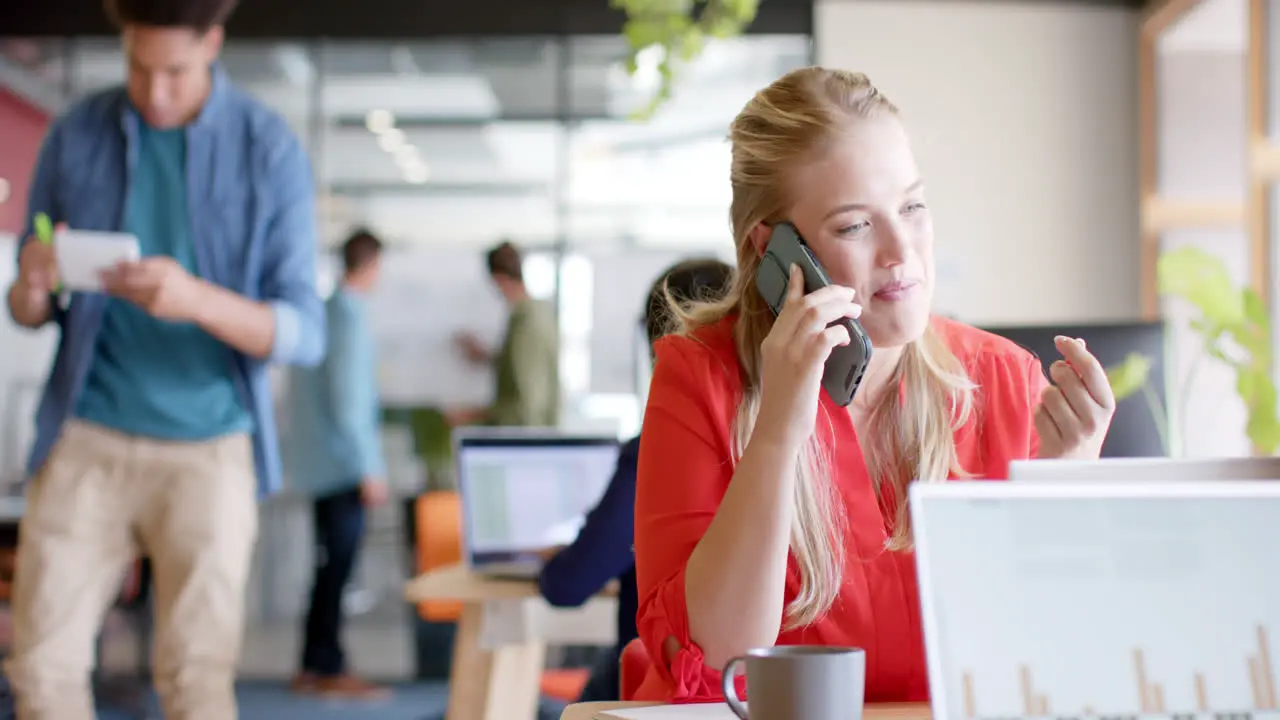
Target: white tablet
[{"x": 83, "y": 255}]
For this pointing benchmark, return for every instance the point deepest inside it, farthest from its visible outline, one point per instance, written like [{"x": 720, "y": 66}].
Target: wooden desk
[
  {"x": 906, "y": 711},
  {"x": 498, "y": 683},
  {"x": 456, "y": 582}
]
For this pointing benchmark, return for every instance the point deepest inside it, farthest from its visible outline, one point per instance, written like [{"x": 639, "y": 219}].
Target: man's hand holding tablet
[
  {"x": 159, "y": 285},
  {"x": 83, "y": 256},
  {"x": 94, "y": 261}
]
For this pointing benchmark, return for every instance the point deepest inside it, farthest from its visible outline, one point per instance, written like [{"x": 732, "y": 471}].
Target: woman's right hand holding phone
[{"x": 794, "y": 354}]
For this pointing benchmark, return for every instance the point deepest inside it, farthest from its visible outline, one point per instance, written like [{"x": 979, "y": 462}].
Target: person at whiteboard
[
  {"x": 335, "y": 457},
  {"x": 765, "y": 513},
  {"x": 602, "y": 550},
  {"x": 527, "y": 365}
]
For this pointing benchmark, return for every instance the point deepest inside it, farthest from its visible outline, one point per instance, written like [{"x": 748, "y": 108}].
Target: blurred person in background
[
  {"x": 602, "y": 551},
  {"x": 527, "y": 366},
  {"x": 335, "y": 456},
  {"x": 156, "y": 432}
]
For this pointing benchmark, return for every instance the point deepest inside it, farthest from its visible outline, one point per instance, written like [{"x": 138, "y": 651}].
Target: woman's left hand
[{"x": 1074, "y": 413}]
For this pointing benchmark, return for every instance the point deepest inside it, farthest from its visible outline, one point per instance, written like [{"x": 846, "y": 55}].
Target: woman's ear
[{"x": 759, "y": 237}]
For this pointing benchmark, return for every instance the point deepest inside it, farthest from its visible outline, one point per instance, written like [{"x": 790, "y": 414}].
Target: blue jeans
[{"x": 339, "y": 523}]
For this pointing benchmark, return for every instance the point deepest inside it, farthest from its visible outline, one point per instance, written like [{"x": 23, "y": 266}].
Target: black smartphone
[{"x": 847, "y": 363}]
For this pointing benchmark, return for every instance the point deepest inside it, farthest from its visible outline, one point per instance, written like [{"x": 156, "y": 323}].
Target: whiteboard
[{"x": 423, "y": 298}]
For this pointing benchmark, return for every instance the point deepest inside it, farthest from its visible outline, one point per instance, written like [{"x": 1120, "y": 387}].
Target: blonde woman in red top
[{"x": 765, "y": 513}]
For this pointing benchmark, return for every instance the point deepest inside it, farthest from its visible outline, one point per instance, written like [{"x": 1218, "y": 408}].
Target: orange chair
[
  {"x": 439, "y": 544},
  {"x": 565, "y": 684},
  {"x": 634, "y": 666}
]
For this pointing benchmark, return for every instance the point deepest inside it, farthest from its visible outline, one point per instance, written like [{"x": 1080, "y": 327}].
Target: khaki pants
[{"x": 102, "y": 499}]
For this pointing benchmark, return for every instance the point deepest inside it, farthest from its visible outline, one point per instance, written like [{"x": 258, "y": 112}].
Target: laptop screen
[
  {"x": 1093, "y": 600},
  {"x": 523, "y": 494}
]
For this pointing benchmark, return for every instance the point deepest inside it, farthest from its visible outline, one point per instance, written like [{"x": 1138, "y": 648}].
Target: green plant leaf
[
  {"x": 1259, "y": 392},
  {"x": 692, "y": 43},
  {"x": 681, "y": 28},
  {"x": 431, "y": 437},
  {"x": 1202, "y": 279},
  {"x": 1255, "y": 310},
  {"x": 1234, "y": 327},
  {"x": 1254, "y": 334},
  {"x": 1128, "y": 376}
]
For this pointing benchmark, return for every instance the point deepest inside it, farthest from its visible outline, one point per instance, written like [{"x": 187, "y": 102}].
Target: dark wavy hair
[{"x": 696, "y": 279}]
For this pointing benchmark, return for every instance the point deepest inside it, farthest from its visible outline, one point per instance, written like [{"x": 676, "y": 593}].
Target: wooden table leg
[{"x": 500, "y": 684}]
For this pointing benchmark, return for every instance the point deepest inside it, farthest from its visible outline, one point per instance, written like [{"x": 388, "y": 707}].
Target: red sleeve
[
  {"x": 1036, "y": 383},
  {"x": 1011, "y": 384},
  {"x": 685, "y": 467}
]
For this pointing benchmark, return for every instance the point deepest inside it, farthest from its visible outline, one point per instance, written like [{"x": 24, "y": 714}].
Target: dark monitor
[{"x": 1134, "y": 432}]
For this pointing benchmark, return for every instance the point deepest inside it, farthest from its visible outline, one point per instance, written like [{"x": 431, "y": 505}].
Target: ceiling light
[
  {"x": 416, "y": 174},
  {"x": 411, "y": 163},
  {"x": 406, "y": 154},
  {"x": 391, "y": 139},
  {"x": 379, "y": 121}
]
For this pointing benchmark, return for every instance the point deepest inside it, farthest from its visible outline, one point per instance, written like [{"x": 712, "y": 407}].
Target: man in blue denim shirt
[{"x": 155, "y": 434}]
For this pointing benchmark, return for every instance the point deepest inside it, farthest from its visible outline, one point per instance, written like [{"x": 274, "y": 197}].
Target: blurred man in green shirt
[{"x": 527, "y": 366}]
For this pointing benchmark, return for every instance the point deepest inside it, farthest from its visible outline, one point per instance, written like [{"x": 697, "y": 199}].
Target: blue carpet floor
[{"x": 273, "y": 701}]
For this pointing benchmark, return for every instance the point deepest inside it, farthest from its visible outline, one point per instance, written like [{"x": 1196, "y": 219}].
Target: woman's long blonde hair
[{"x": 786, "y": 123}]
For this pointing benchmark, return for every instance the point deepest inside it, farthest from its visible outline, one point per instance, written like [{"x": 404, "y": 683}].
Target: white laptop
[
  {"x": 1100, "y": 600},
  {"x": 1153, "y": 468},
  {"x": 524, "y": 491}
]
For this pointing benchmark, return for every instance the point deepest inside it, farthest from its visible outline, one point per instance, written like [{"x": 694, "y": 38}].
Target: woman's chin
[{"x": 895, "y": 328}]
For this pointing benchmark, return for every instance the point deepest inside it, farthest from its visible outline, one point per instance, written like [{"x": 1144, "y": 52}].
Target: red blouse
[{"x": 685, "y": 468}]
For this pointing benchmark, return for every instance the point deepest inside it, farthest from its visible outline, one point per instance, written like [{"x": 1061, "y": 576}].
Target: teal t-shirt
[{"x": 156, "y": 378}]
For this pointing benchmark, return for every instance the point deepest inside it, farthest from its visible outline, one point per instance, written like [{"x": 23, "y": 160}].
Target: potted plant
[
  {"x": 1234, "y": 328},
  {"x": 1132, "y": 376},
  {"x": 677, "y": 31}
]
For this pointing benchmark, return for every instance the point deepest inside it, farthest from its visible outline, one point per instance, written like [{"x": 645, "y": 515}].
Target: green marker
[
  {"x": 44, "y": 228},
  {"x": 44, "y": 233}
]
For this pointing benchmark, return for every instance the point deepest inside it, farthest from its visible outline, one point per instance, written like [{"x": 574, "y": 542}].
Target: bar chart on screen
[
  {"x": 1116, "y": 609},
  {"x": 1150, "y": 693}
]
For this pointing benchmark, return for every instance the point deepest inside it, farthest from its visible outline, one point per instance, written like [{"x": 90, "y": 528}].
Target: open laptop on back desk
[{"x": 526, "y": 491}]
